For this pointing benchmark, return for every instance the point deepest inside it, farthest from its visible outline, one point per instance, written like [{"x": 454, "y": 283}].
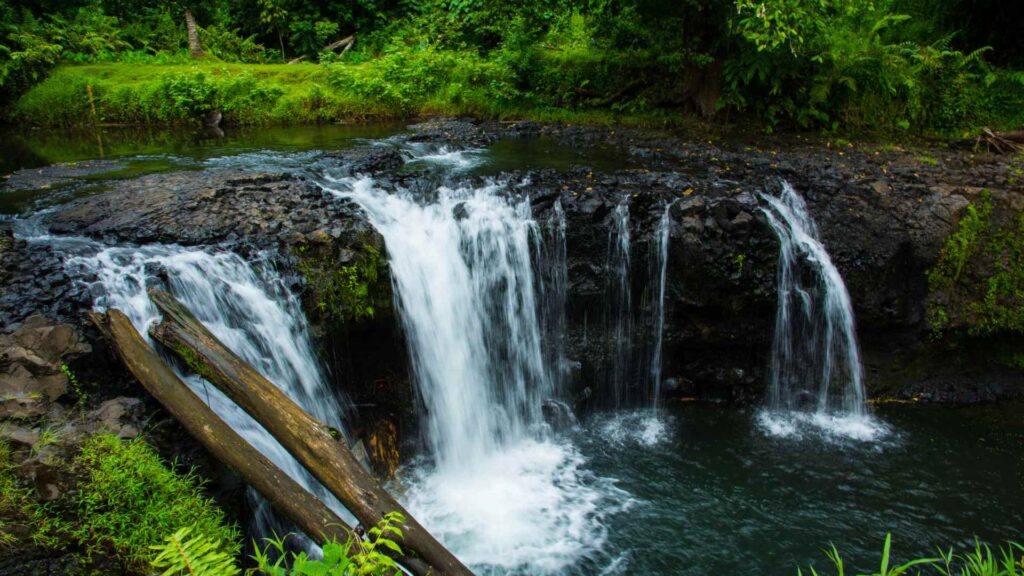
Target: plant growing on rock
[
  {"x": 349, "y": 291},
  {"x": 353, "y": 558},
  {"x": 977, "y": 285}
]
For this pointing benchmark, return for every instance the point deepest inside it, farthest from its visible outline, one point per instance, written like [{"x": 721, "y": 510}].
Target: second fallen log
[
  {"x": 284, "y": 493},
  {"x": 319, "y": 448}
]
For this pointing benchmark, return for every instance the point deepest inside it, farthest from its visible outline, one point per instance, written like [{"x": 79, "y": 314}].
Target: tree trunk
[
  {"x": 285, "y": 494},
  {"x": 321, "y": 449},
  {"x": 194, "y": 47}
]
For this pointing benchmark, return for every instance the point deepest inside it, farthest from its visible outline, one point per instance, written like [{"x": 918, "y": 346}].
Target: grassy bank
[
  {"x": 260, "y": 94},
  {"x": 400, "y": 85},
  {"x": 175, "y": 94}
]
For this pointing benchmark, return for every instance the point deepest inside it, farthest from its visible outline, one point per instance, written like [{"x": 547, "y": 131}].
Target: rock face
[
  {"x": 31, "y": 361},
  {"x": 883, "y": 214},
  {"x": 42, "y": 432}
]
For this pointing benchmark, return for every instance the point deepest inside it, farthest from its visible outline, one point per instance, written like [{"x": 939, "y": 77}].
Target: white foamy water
[
  {"x": 645, "y": 428},
  {"x": 498, "y": 488},
  {"x": 529, "y": 508},
  {"x": 840, "y": 427},
  {"x": 618, "y": 307},
  {"x": 250, "y": 311},
  {"x": 444, "y": 156}
]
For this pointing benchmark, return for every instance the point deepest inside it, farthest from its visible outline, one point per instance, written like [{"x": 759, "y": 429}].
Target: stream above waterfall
[{"x": 588, "y": 343}]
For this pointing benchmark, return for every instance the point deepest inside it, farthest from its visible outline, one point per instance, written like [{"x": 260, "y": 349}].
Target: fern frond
[{"x": 182, "y": 555}]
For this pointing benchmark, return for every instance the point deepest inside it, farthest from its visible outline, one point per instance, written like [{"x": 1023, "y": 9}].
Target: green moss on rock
[
  {"x": 977, "y": 285},
  {"x": 344, "y": 284}
]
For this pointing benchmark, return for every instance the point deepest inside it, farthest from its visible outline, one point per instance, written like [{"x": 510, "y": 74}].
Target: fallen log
[
  {"x": 320, "y": 448},
  {"x": 286, "y": 495},
  {"x": 1002, "y": 142},
  {"x": 347, "y": 41}
]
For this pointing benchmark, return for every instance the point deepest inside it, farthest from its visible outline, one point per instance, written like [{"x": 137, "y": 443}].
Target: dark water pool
[
  {"x": 89, "y": 159},
  {"x": 716, "y": 494}
]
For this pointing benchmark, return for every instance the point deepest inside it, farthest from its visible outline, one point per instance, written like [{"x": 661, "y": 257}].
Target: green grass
[
  {"x": 132, "y": 501},
  {"x": 126, "y": 501},
  {"x": 980, "y": 561},
  {"x": 177, "y": 94},
  {"x": 400, "y": 85}
]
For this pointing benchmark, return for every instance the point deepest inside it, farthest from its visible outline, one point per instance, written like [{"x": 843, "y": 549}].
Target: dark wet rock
[
  {"x": 56, "y": 175},
  {"x": 44, "y": 563},
  {"x": 119, "y": 416},
  {"x": 459, "y": 132},
  {"x": 208, "y": 207},
  {"x": 356, "y": 161}
]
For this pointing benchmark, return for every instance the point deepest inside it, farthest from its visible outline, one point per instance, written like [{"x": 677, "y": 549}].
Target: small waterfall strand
[
  {"x": 618, "y": 307},
  {"x": 815, "y": 361}
]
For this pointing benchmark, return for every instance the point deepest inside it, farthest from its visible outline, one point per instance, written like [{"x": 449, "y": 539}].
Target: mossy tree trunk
[
  {"x": 320, "y": 448},
  {"x": 286, "y": 495}
]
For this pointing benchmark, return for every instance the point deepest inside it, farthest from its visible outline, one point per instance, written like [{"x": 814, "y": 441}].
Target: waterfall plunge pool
[
  {"x": 699, "y": 490},
  {"x": 710, "y": 492}
]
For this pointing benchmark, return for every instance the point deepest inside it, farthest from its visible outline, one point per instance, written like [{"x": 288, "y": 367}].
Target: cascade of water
[
  {"x": 554, "y": 288},
  {"x": 465, "y": 288},
  {"x": 251, "y": 311},
  {"x": 499, "y": 490},
  {"x": 660, "y": 269},
  {"x": 815, "y": 361},
  {"x": 618, "y": 313}
]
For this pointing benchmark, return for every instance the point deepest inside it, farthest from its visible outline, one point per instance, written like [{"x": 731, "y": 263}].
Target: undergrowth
[
  {"x": 132, "y": 501},
  {"x": 124, "y": 501}
]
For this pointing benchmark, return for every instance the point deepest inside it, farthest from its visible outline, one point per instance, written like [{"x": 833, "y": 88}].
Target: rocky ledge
[{"x": 884, "y": 215}]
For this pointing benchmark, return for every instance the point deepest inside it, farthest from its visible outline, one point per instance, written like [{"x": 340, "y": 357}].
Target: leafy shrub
[
  {"x": 230, "y": 46},
  {"x": 183, "y": 553},
  {"x": 405, "y": 79},
  {"x": 189, "y": 95}
]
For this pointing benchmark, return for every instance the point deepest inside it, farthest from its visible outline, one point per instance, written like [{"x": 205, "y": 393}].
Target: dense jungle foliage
[{"x": 943, "y": 66}]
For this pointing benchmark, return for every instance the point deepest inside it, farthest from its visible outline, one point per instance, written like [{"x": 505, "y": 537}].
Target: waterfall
[
  {"x": 554, "y": 289},
  {"x": 618, "y": 306},
  {"x": 248, "y": 308},
  {"x": 497, "y": 487},
  {"x": 465, "y": 287},
  {"x": 815, "y": 364},
  {"x": 659, "y": 271}
]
